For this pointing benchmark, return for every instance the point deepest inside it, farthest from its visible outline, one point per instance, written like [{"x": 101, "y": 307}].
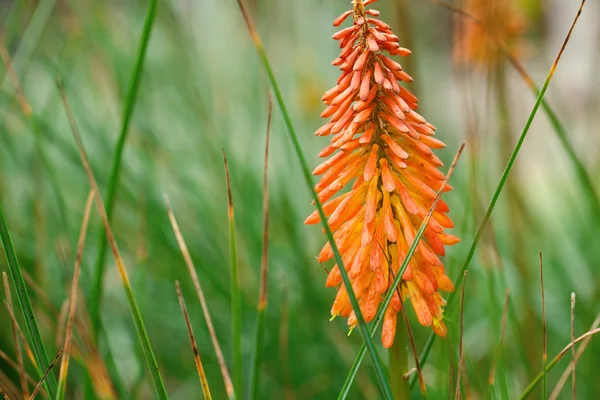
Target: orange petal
[{"x": 388, "y": 331}]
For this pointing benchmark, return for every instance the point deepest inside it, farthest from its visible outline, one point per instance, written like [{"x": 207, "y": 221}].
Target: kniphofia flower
[
  {"x": 381, "y": 148},
  {"x": 497, "y": 20}
]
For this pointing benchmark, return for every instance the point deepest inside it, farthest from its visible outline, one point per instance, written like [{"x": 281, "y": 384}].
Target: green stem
[
  {"x": 130, "y": 101},
  {"x": 37, "y": 345},
  {"x": 260, "y": 333},
  {"x": 398, "y": 355},
  {"x": 236, "y": 314}
]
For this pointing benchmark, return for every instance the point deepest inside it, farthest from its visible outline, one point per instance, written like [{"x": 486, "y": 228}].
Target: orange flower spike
[{"x": 382, "y": 154}]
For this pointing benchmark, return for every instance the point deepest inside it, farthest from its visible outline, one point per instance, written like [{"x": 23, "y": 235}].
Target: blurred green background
[{"x": 202, "y": 88}]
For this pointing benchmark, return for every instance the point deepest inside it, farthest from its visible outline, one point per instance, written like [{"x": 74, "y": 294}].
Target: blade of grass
[
  {"x": 28, "y": 350},
  {"x": 460, "y": 366},
  {"x": 570, "y": 368},
  {"x": 236, "y": 305},
  {"x": 199, "y": 367},
  {"x": 555, "y": 360},
  {"x": 99, "y": 367},
  {"x": 502, "y": 181},
  {"x": 39, "y": 350},
  {"x": 388, "y": 298},
  {"x": 573, "y": 354},
  {"x": 492, "y": 376},
  {"x": 113, "y": 182},
  {"x": 284, "y": 341},
  {"x": 39, "y": 385},
  {"x": 4, "y": 395},
  {"x": 211, "y": 330},
  {"x": 379, "y": 369},
  {"x": 264, "y": 269},
  {"x": 15, "y": 366},
  {"x": 584, "y": 177},
  {"x": 64, "y": 364},
  {"x": 545, "y": 337},
  {"x": 135, "y": 312},
  {"x": 19, "y": 354}
]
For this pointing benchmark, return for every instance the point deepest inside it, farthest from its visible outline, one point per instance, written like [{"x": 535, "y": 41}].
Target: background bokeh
[{"x": 202, "y": 88}]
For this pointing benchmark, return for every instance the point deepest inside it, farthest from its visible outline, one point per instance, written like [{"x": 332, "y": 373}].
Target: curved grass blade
[
  {"x": 498, "y": 351},
  {"x": 502, "y": 181},
  {"x": 211, "y": 329},
  {"x": 460, "y": 368},
  {"x": 28, "y": 350},
  {"x": 545, "y": 341},
  {"x": 130, "y": 101},
  {"x": 19, "y": 354},
  {"x": 236, "y": 305},
  {"x": 39, "y": 350},
  {"x": 264, "y": 269},
  {"x": 388, "y": 298},
  {"x": 15, "y": 366},
  {"x": 37, "y": 388},
  {"x": 571, "y": 368},
  {"x": 199, "y": 367},
  {"x": 135, "y": 312},
  {"x": 362, "y": 326},
  {"x": 64, "y": 363},
  {"x": 554, "y": 361}
]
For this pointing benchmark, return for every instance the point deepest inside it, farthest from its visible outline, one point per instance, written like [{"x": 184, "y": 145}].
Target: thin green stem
[
  {"x": 236, "y": 312},
  {"x": 130, "y": 101},
  {"x": 39, "y": 350},
  {"x": 259, "y": 336},
  {"x": 503, "y": 179},
  {"x": 264, "y": 269}
]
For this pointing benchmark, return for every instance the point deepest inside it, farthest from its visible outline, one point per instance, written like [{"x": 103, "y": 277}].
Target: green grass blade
[
  {"x": 135, "y": 312},
  {"x": 362, "y": 326},
  {"x": 197, "y": 360},
  {"x": 64, "y": 365},
  {"x": 211, "y": 329},
  {"x": 544, "y": 342},
  {"x": 388, "y": 298},
  {"x": 501, "y": 184},
  {"x": 236, "y": 305},
  {"x": 264, "y": 269},
  {"x": 130, "y": 101},
  {"x": 37, "y": 345}
]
